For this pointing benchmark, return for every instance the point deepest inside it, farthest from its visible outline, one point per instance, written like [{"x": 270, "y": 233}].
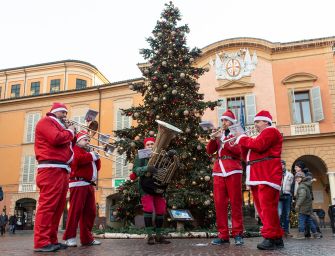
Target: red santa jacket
[
  {"x": 268, "y": 145},
  {"x": 228, "y": 160},
  {"x": 84, "y": 167},
  {"x": 53, "y": 143}
]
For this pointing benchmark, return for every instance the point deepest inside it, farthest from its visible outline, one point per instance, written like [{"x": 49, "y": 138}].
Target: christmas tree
[{"x": 170, "y": 93}]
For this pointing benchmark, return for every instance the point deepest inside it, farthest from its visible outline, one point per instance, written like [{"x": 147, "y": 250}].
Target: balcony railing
[
  {"x": 304, "y": 129},
  {"x": 27, "y": 187}
]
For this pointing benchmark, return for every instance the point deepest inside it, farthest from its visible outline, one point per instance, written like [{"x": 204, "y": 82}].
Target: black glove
[{"x": 152, "y": 169}]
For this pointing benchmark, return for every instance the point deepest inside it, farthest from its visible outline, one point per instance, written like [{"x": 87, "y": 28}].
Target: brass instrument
[
  {"x": 165, "y": 162},
  {"x": 217, "y": 133},
  {"x": 237, "y": 127},
  {"x": 107, "y": 150}
]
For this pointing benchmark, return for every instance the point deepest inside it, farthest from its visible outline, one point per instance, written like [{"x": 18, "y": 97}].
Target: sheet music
[{"x": 144, "y": 153}]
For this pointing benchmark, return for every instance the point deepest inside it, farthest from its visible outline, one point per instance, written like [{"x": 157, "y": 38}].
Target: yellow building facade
[
  {"x": 295, "y": 81},
  {"x": 27, "y": 94}
]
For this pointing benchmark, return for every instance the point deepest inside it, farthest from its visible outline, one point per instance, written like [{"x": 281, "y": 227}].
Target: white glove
[{"x": 97, "y": 155}]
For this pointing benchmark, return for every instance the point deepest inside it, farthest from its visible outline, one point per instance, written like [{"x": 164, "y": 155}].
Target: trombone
[{"x": 108, "y": 151}]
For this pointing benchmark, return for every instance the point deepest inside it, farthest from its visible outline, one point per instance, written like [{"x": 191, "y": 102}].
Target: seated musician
[
  {"x": 151, "y": 201},
  {"x": 84, "y": 169}
]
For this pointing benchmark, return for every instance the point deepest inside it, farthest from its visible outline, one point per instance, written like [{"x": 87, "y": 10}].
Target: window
[
  {"x": 31, "y": 119},
  {"x": 235, "y": 104},
  {"x": 0, "y": 91},
  {"x": 54, "y": 85},
  {"x": 80, "y": 84},
  {"x": 28, "y": 170},
  {"x": 302, "y": 109},
  {"x": 15, "y": 91},
  {"x": 35, "y": 88},
  {"x": 247, "y": 102}
]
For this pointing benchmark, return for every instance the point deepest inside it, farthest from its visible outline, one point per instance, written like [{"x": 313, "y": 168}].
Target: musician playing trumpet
[
  {"x": 151, "y": 201},
  {"x": 84, "y": 171},
  {"x": 227, "y": 184}
]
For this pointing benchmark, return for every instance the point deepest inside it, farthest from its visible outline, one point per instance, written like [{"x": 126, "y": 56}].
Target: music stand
[{"x": 180, "y": 216}]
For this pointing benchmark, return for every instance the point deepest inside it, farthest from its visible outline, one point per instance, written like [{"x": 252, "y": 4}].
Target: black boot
[
  {"x": 151, "y": 239},
  {"x": 149, "y": 228},
  {"x": 279, "y": 243},
  {"x": 267, "y": 244},
  {"x": 160, "y": 239}
]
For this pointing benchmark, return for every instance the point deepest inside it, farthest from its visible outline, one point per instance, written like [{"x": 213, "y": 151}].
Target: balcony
[
  {"x": 27, "y": 187},
  {"x": 304, "y": 129}
]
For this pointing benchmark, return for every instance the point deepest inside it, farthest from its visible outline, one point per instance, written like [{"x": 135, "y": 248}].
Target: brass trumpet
[
  {"x": 107, "y": 149},
  {"x": 217, "y": 133}
]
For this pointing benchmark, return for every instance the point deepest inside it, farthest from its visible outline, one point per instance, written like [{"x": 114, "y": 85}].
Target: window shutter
[
  {"x": 25, "y": 170},
  {"x": 32, "y": 168},
  {"x": 317, "y": 104},
  {"x": 291, "y": 97},
  {"x": 32, "y": 120},
  {"x": 118, "y": 120},
  {"x": 221, "y": 109},
  {"x": 250, "y": 108}
]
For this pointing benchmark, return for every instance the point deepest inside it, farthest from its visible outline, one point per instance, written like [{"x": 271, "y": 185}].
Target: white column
[{"x": 331, "y": 177}]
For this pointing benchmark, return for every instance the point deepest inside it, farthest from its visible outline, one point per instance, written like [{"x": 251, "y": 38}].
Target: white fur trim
[
  {"x": 63, "y": 166},
  {"x": 262, "y": 118},
  {"x": 228, "y": 118},
  {"x": 78, "y": 184},
  {"x": 82, "y": 136},
  {"x": 95, "y": 171},
  {"x": 58, "y": 109},
  {"x": 239, "y": 137},
  {"x": 263, "y": 182},
  {"x": 94, "y": 156},
  {"x": 225, "y": 174}
]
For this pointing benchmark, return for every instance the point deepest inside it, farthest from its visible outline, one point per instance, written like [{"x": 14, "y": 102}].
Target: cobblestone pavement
[{"x": 22, "y": 242}]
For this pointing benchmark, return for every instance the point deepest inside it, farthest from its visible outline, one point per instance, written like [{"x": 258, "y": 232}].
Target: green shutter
[
  {"x": 250, "y": 108},
  {"x": 317, "y": 104},
  {"x": 221, "y": 109}
]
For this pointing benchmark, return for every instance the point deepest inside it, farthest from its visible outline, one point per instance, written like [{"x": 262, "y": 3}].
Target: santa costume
[
  {"x": 85, "y": 167},
  {"x": 227, "y": 184},
  {"x": 264, "y": 176},
  {"x": 53, "y": 150}
]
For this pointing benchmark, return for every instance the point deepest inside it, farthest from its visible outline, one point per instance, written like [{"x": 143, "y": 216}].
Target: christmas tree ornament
[
  {"x": 191, "y": 59},
  {"x": 146, "y": 71},
  {"x": 188, "y": 130},
  {"x": 207, "y": 178},
  {"x": 197, "y": 86},
  {"x": 199, "y": 147},
  {"x": 182, "y": 75},
  {"x": 207, "y": 202},
  {"x": 136, "y": 115},
  {"x": 132, "y": 144},
  {"x": 164, "y": 63},
  {"x": 165, "y": 86},
  {"x": 186, "y": 112},
  {"x": 164, "y": 98},
  {"x": 194, "y": 183},
  {"x": 157, "y": 117},
  {"x": 151, "y": 133},
  {"x": 155, "y": 99},
  {"x": 174, "y": 92},
  {"x": 170, "y": 52}
]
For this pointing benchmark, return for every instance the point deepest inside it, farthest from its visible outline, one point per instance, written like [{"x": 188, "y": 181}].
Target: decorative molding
[
  {"x": 299, "y": 78},
  {"x": 234, "y": 85}
]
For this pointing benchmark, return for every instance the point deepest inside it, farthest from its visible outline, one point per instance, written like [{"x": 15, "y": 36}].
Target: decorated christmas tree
[{"x": 170, "y": 93}]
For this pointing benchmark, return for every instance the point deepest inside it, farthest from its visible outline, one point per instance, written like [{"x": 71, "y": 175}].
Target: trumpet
[{"x": 217, "y": 133}]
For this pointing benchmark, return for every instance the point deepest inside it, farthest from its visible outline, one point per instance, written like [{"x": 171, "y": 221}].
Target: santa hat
[
  {"x": 263, "y": 115},
  {"x": 82, "y": 135},
  {"x": 228, "y": 115},
  {"x": 56, "y": 106},
  {"x": 149, "y": 139}
]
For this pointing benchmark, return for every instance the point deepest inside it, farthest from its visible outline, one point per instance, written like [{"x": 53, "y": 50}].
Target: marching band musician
[
  {"x": 227, "y": 184},
  {"x": 151, "y": 201},
  {"x": 264, "y": 175},
  {"x": 85, "y": 167},
  {"x": 53, "y": 150}
]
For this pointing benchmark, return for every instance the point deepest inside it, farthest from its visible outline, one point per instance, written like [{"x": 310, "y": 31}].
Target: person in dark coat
[
  {"x": 12, "y": 223},
  {"x": 3, "y": 223}
]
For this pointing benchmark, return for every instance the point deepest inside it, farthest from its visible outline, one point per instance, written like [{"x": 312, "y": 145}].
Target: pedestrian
[
  {"x": 227, "y": 183},
  {"x": 285, "y": 199},
  {"x": 3, "y": 222},
  {"x": 54, "y": 138},
  {"x": 264, "y": 175},
  {"x": 12, "y": 223},
  {"x": 84, "y": 172},
  {"x": 152, "y": 201},
  {"x": 304, "y": 206},
  {"x": 331, "y": 214}
]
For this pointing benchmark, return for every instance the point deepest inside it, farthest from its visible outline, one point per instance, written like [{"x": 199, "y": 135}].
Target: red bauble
[{"x": 133, "y": 176}]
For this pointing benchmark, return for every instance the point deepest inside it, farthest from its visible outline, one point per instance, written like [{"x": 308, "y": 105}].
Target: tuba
[{"x": 165, "y": 162}]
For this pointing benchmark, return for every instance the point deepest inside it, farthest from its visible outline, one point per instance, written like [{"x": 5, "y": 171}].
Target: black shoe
[
  {"x": 48, "y": 248},
  {"x": 62, "y": 246},
  {"x": 267, "y": 244},
  {"x": 161, "y": 240},
  {"x": 279, "y": 243},
  {"x": 151, "y": 240}
]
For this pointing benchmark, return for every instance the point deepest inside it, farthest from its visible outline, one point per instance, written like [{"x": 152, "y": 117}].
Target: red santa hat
[
  {"x": 228, "y": 115},
  {"x": 263, "y": 115},
  {"x": 149, "y": 139},
  {"x": 56, "y": 106},
  {"x": 82, "y": 135}
]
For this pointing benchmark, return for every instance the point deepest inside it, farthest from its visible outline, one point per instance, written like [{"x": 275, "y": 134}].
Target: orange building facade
[{"x": 295, "y": 81}]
